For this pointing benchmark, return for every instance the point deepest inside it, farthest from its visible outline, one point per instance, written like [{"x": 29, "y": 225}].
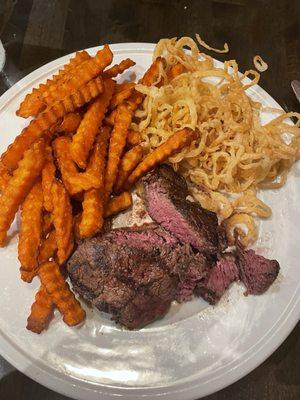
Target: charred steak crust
[
  {"x": 135, "y": 273},
  {"x": 165, "y": 194}
]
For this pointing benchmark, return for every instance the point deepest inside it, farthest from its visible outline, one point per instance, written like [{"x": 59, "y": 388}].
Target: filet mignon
[
  {"x": 165, "y": 194},
  {"x": 135, "y": 273},
  {"x": 256, "y": 272},
  {"x": 218, "y": 278}
]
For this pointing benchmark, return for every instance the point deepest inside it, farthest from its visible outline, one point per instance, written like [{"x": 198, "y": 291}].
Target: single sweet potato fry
[
  {"x": 70, "y": 123},
  {"x": 48, "y": 248},
  {"x": 116, "y": 146},
  {"x": 41, "y": 311},
  {"x": 48, "y": 177},
  {"x": 4, "y": 177},
  {"x": 176, "y": 70},
  {"x": 79, "y": 76},
  {"x": 174, "y": 144},
  {"x": 128, "y": 162},
  {"x": 32, "y": 105},
  {"x": 133, "y": 138},
  {"x": 118, "y": 69},
  {"x": 48, "y": 119},
  {"x": 91, "y": 220},
  {"x": 60, "y": 293},
  {"x": 83, "y": 139},
  {"x": 121, "y": 96},
  {"x": 62, "y": 221},
  {"x": 21, "y": 182},
  {"x": 31, "y": 228},
  {"x": 118, "y": 204}
]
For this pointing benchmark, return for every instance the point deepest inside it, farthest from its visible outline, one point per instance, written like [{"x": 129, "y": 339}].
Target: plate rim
[{"x": 71, "y": 386}]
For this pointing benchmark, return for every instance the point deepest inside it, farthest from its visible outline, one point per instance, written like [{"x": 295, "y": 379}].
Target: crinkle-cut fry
[
  {"x": 133, "y": 137},
  {"x": 79, "y": 76},
  {"x": 60, "y": 293},
  {"x": 31, "y": 228},
  {"x": 47, "y": 119},
  {"x": 41, "y": 311},
  {"x": 47, "y": 223},
  {"x": 21, "y": 182},
  {"x": 48, "y": 177},
  {"x": 174, "y": 144},
  {"x": 70, "y": 123},
  {"x": 110, "y": 118},
  {"x": 32, "y": 105},
  {"x": 121, "y": 96},
  {"x": 118, "y": 204},
  {"x": 74, "y": 181},
  {"x": 151, "y": 75},
  {"x": 116, "y": 146},
  {"x": 47, "y": 248},
  {"x": 176, "y": 70},
  {"x": 118, "y": 69},
  {"x": 83, "y": 139},
  {"x": 62, "y": 221},
  {"x": 27, "y": 276},
  {"x": 91, "y": 220},
  {"x": 4, "y": 177},
  {"x": 128, "y": 162}
]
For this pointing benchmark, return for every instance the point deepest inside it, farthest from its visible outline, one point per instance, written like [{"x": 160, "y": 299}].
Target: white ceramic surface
[{"x": 196, "y": 349}]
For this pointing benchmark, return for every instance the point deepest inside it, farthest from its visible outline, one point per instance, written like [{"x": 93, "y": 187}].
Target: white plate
[{"x": 196, "y": 349}]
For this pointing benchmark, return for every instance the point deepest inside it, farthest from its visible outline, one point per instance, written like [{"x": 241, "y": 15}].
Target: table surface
[{"x": 35, "y": 32}]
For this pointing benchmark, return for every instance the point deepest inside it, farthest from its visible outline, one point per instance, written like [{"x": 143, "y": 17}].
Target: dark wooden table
[{"x": 34, "y": 32}]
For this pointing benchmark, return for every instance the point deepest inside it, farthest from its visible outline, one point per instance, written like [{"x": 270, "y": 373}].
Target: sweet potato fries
[{"x": 68, "y": 168}]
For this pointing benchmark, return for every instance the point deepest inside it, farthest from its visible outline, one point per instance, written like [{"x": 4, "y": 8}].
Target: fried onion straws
[{"x": 234, "y": 153}]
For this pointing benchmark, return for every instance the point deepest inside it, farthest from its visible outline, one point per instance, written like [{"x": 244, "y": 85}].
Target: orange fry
[
  {"x": 41, "y": 311},
  {"x": 74, "y": 181},
  {"x": 70, "y": 123},
  {"x": 24, "y": 177},
  {"x": 83, "y": 139},
  {"x": 174, "y": 144},
  {"x": 93, "y": 203},
  {"x": 152, "y": 74},
  {"x": 30, "y": 229},
  {"x": 62, "y": 221},
  {"x": 60, "y": 293},
  {"x": 47, "y": 224},
  {"x": 116, "y": 146},
  {"x": 118, "y": 69},
  {"x": 4, "y": 177},
  {"x": 47, "y": 119},
  {"x": 176, "y": 70},
  {"x": 120, "y": 96},
  {"x": 110, "y": 118},
  {"x": 48, "y": 177},
  {"x": 133, "y": 138},
  {"x": 48, "y": 248},
  {"x": 32, "y": 105},
  {"x": 118, "y": 204},
  {"x": 129, "y": 161},
  {"x": 79, "y": 76}
]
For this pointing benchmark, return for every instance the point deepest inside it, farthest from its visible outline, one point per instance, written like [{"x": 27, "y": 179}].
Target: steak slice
[
  {"x": 218, "y": 279},
  {"x": 256, "y": 272},
  {"x": 165, "y": 194},
  {"x": 135, "y": 273}
]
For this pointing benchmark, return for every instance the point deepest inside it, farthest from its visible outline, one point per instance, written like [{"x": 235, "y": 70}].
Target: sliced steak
[
  {"x": 218, "y": 279},
  {"x": 256, "y": 272},
  {"x": 165, "y": 195},
  {"x": 135, "y": 273}
]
